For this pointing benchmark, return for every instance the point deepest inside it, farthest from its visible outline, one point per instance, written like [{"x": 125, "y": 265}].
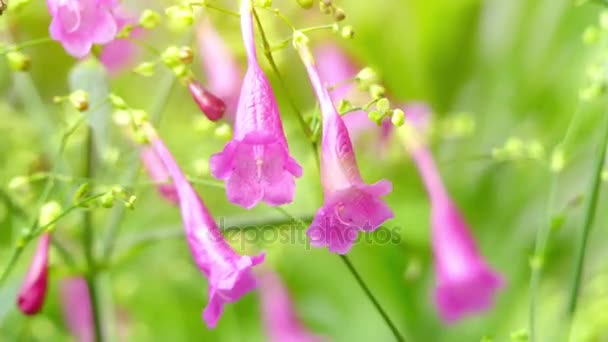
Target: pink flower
[
  {"x": 229, "y": 274},
  {"x": 465, "y": 282},
  {"x": 158, "y": 173},
  {"x": 222, "y": 70},
  {"x": 78, "y": 24},
  {"x": 335, "y": 68},
  {"x": 280, "y": 320},
  {"x": 212, "y": 106},
  {"x": 119, "y": 53},
  {"x": 256, "y": 164},
  {"x": 76, "y": 308},
  {"x": 33, "y": 290},
  {"x": 349, "y": 204}
]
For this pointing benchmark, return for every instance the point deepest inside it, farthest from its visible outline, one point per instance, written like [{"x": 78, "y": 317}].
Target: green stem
[
  {"x": 592, "y": 200},
  {"x": 88, "y": 239},
  {"x": 275, "y": 69},
  {"x": 26, "y": 44}
]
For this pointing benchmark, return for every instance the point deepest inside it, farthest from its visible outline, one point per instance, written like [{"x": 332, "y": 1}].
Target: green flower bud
[
  {"x": 121, "y": 117},
  {"x": 264, "y": 3},
  {"x": 80, "y": 100},
  {"x": 171, "y": 56},
  {"x": 324, "y": 8},
  {"x": 344, "y": 106},
  {"x": 19, "y": 184},
  {"x": 117, "y": 101},
  {"x": 223, "y": 132},
  {"x": 18, "y": 61},
  {"x": 125, "y": 32},
  {"x": 398, "y": 117},
  {"x": 514, "y": 147},
  {"x": 186, "y": 54},
  {"x": 375, "y": 116},
  {"x": 347, "y": 32},
  {"x": 81, "y": 193},
  {"x": 145, "y": 69},
  {"x": 339, "y": 14},
  {"x": 383, "y": 105},
  {"x": 139, "y": 116},
  {"x": 149, "y": 19},
  {"x": 141, "y": 137},
  {"x": 366, "y": 77},
  {"x": 376, "y": 91},
  {"x": 306, "y": 4},
  {"x": 130, "y": 204},
  {"x": 49, "y": 212},
  {"x": 180, "y": 16},
  {"x": 107, "y": 200},
  {"x": 535, "y": 150}
]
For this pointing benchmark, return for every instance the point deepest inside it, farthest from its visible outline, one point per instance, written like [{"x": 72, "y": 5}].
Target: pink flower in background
[
  {"x": 78, "y": 24},
  {"x": 465, "y": 282},
  {"x": 33, "y": 290},
  {"x": 222, "y": 69},
  {"x": 256, "y": 164},
  {"x": 280, "y": 320},
  {"x": 159, "y": 174},
  {"x": 120, "y": 53},
  {"x": 212, "y": 106},
  {"x": 349, "y": 204},
  {"x": 76, "y": 308},
  {"x": 229, "y": 274}
]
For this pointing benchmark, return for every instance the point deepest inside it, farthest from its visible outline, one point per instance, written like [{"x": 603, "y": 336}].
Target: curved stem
[{"x": 26, "y": 44}]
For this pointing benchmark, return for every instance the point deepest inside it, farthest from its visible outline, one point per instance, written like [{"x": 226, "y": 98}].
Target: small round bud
[
  {"x": 223, "y": 132},
  {"x": 398, "y": 117},
  {"x": 347, "y": 32},
  {"x": 514, "y": 147},
  {"x": 80, "y": 100},
  {"x": 171, "y": 56},
  {"x": 180, "y": 16},
  {"x": 376, "y": 91},
  {"x": 339, "y": 14},
  {"x": 591, "y": 35},
  {"x": 306, "y": 4},
  {"x": 264, "y": 3},
  {"x": 81, "y": 193},
  {"x": 325, "y": 9},
  {"x": 186, "y": 54},
  {"x": 130, "y": 204},
  {"x": 335, "y": 28},
  {"x": 118, "y": 190},
  {"x": 49, "y": 212},
  {"x": 375, "y": 116},
  {"x": 212, "y": 106},
  {"x": 535, "y": 150},
  {"x": 121, "y": 117},
  {"x": 139, "y": 116},
  {"x": 107, "y": 200},
  {"x": 141, "y": 137},
  {"x": 366, "y": 77},
  {"x": 344, "y": 106},
  {"x": 383, "y": 105},
  {"x": 125, "y": 32},
  {"x": 18, "y": 61},
  {"x": 117, "y": 101},
  {"x": 149, "y": 19},
  {"x": 145, "y": 69}
]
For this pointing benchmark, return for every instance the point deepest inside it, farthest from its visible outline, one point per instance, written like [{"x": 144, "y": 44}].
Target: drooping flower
[
  {"x": 465, "y": 284},
  {"x": 350, "y": 205},
  {"x": 280, "y": 320},
  {"x": 256, "y": 163},
  {"x": 212, "y": 106},
  {"x": 33, "y": 290},
  {"x": 78, "y": 24},
  {"x": 336, "y": 68},
  {"x": 76, "y": 308},
  {"x": 158, "y": 173},
  {"x": 120, "y": 53},
  {"x": 222, "y": 70},
  {"x": 229, "y": 274}
]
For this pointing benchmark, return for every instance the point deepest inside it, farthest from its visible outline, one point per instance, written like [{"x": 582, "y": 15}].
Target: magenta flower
[
  {"x": 78, "y": 24},
  {"x": 222, "y": 69},
  {"x": 229, "y": 274},
  {"x": 349, "y": 204},
  {"x": 212, "y": 106},
  {"x": 256, "y": 164},
  {"x": 280, "y": 320},
  {"x": 158, "y": 173},
  {"x": 120, "y": 53},
  {"x": 465, "y": 282},
  {"x": 33, "y": 290},
  {"x": 76, "y": 308}
]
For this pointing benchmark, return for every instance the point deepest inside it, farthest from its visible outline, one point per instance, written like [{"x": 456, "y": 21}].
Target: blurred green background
[{"x": 515, "y": 67}]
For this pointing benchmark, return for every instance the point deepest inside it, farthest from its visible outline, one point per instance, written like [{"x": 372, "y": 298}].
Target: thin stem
[
  {"x": 214, "y": 7},
  {"x": 373, "y": 299},
  {"x": 88, "y": 243},
  {"x": 594, "y": 192},
  {"x": 26, "y": 44},
  {"x": 275, "y": 69}
]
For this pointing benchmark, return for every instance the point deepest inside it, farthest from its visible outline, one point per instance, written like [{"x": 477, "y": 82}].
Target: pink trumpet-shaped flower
[
  {"x": 349, "y": 204},
  {"x": 280, "y": 320},
  {"x": 119, "y": 53},
  {"x": 335, "y": 67},
  {"x": 256, "y": 164},
  {"x": 465, "y": 282},
  {"x": 33, "y": 290},
  {"x": 222, "y": 69},
  {"x": 76, "y": 308},
  {"x": 78, "y": 24},
  {"x": 229, "y": 274},
  {"x": 157, "y": 171}
]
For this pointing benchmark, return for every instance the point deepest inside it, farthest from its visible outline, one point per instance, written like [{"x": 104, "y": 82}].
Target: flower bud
[
  {"x": 107, "y": 200},
  {"x": 398, "y": 117},
  {"x": 49, "y": 212},
  {"x": 376, "y": 91},
  {"x": 145, "y": 69},
  {"x": 366, "y": 77},
  {"x": 180, "y": 16},
  {"x": 130, "y": 204},
  {"x": 117, "y": 101},
  {"x": 80, "y": 100},
  {"x": 212, "y": 106},
  {"x": 18, "y": 61},
  {"x": 375, "y": 116},
  {"x": 344, "y": 106},
  {"x": 347, "y": 32},
  {"x": 306, "y": 4},
  {"x": 339, "y": 14},
  {"x": 383, "y": 105},
  {"x": 325, "y": 9},
  {"x": 265, "y": 3},
  {"x": 125, "y": 32},
  {"x": 186, "y": 54},
  {"x": 149, "y": 19}
]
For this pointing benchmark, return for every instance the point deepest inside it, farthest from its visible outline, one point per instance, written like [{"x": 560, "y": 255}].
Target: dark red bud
[{"x": 212, "y": 106}]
